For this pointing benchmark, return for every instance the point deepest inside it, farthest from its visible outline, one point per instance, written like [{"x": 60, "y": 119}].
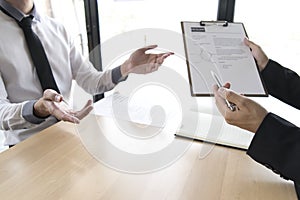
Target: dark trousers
[{"x": 297, "y": 188}]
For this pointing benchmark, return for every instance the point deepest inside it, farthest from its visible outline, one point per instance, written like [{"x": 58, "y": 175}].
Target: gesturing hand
[
  {"x": 52, "y": 104},
  {"x": 140, "y": 62}
]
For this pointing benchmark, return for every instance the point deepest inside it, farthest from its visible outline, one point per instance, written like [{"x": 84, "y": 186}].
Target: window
[
  {"x": 274, "y": 25},
  {"x": 71, "y": 14},
  {"x": 118, "y": 16}
]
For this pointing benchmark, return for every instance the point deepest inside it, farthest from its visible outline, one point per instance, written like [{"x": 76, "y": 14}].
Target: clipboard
[{"x": 217, "y": 46}]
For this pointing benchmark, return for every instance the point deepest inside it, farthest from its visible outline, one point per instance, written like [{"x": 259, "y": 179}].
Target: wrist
[
  {"x": 37, "y": 112},
  {"x": 262, "y": 122},
  {"x": 125, "y": 68},
  {"x": 28, "y": 115},
  {"x": 263, "y": 64},
  {"x": 260, "y": 119}
]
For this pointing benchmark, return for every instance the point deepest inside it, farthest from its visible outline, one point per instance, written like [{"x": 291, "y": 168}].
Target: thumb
[
  {"x": 52, "y": 95},
  {"x": 146, "y": 48},
  {"x": 85, "y": 110},
  {"x": 247, "y": 42},
  {"x": 250, "y": 44}
]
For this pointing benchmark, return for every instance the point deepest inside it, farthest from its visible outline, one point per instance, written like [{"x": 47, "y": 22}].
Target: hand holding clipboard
[{"x": 227, "y": 54}]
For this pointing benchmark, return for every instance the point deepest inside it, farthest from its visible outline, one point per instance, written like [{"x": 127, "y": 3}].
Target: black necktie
[{"x": 38, "y": 55}]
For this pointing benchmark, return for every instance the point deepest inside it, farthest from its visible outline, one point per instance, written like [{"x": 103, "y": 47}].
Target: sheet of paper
[
  {"x": 210, "y": 127},
  {"x": 138, "y": 110},
  {"x": 220, "y": 49}
]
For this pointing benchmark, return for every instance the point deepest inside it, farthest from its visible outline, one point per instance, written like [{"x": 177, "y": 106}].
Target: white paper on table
[{"x": 142, "y": 112}]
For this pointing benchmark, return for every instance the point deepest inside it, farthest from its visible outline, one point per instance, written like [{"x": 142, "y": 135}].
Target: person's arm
[
  {"x": 51, "y": 103},
  {"x": 282, "y": 83},
  {"x": 15, "y": 116},
  {"x": 141, "y": 62},
  {"x": 27, "y": 114},
  {"x": 11, "y": 117},
  {"x": 96, "y": 82},
  {"x": 276, "y": 143},
  {"x": 11, "y": 114}
]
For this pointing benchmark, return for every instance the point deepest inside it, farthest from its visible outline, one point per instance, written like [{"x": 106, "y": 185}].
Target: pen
[
  {"x": 65, "y": 102},
  {"x": 231, "y": 106}
]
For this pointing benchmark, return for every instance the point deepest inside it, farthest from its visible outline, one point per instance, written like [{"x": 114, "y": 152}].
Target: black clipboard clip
[{"x": 215, "y": 23}]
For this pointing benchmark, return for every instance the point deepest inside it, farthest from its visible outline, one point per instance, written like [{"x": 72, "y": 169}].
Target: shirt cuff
[
  {"x": 116, "y": 75},
  {"x": 27, "y": 113}
]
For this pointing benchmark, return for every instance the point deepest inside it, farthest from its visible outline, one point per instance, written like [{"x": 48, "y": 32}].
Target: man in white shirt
[{"x": 25, "y": 108}]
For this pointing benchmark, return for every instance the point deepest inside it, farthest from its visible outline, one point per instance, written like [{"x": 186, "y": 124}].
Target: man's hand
[
  {"x": 52, "y": 104},
  {"x": 248, "y": 114},
  {"x": 257, "y": 52},
  {"x": 140, "y": 62}
]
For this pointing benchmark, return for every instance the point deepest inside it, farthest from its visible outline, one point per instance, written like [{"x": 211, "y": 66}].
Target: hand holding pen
[
  {"x": 248, "y": 113},
  {"x": 230, "y": 105}
]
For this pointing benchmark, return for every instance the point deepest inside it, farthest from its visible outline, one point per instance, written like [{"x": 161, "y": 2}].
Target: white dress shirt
[{"x": 19, "y": 85}]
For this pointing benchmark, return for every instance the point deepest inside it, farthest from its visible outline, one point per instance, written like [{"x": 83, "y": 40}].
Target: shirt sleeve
[
  {"x": 11, "y": 114},
  {"x": 85, "y": 74},
  {"x": 28, "y": 114}
]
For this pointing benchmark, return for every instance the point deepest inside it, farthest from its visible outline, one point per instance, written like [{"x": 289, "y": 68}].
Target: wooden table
[{"x": 54, "y": 165}]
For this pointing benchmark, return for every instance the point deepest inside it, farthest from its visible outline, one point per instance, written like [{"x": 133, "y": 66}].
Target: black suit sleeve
[
  {"x": 276, "y": 144},
  {"x": 282, "y": 83}
]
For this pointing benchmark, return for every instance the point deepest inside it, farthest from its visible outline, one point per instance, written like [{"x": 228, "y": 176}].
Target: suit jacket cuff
[
  {"x": 117, "y": 75},
  {"x": 273, "y": 146},
  {"x": 28, "y": 115}
]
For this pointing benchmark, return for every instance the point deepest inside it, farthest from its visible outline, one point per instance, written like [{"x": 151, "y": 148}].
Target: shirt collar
[{"x": 16, "y": 13}]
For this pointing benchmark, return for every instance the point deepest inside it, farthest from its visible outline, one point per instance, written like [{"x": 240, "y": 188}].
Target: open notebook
[{"x": 214, "y": 129}]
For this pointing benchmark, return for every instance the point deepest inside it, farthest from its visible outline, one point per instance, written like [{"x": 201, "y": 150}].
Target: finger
[
  {"x": 231, "y": 96},
  {"x": 155, "y": 67},
  {"x": 85, "y": 110},
  {"x": 250, "y": 44},
  {"x": 87, "y": 104},
  {"x": 62, "y": 115},
  {"x": 227, "y": 85},
  {"x": 70, "y": 118},
  {"x": 146, "y": 48},
  {"x": 163, "y": 56},
  {"x": 52, "y": 95},
  {"x": 150, "y": 67},
  {"x": 220, "y": 101},
  {"x": 246, "y": 41}
]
